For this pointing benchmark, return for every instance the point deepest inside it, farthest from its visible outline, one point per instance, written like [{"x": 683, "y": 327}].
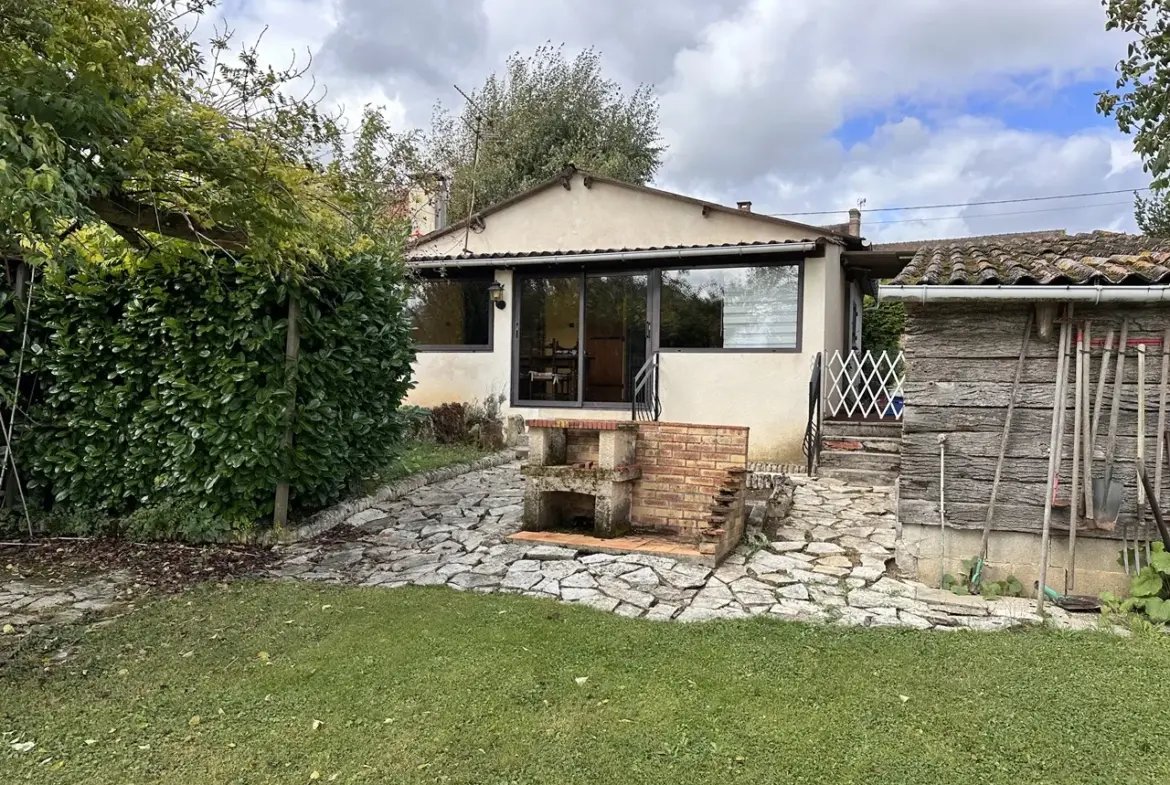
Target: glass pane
[
  {"x": 730, "y": 308},
  {"x": 615, "y": 335},
  {"x": 550, "y": 309},
  {"x": 450, "y": 313}
]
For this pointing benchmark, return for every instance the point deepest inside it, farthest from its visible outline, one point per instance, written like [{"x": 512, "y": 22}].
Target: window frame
[
  {"x": 470, "y": 348},
  {"x": 654, "y": 316},
  {"x": 797, "y": 348}
]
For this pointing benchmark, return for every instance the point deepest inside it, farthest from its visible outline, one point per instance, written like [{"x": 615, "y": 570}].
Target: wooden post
[
  {"x": 1054, "y": 445},
  {"x": 11, "y": 480},
  {"x": 292, "y": 349}
]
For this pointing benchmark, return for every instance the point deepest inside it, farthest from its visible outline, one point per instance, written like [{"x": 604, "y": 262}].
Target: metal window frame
[
  {"x": 797, "y": 349},
  {"x": 464, "y": 348},
  {"x": 581, "y": 276},
  {"x": 654, "y": 319}
]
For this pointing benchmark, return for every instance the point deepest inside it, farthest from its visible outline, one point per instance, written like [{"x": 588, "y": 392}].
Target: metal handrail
[
  {"x": 812, "y": 431},
  {"x": 645, "y": 403}
]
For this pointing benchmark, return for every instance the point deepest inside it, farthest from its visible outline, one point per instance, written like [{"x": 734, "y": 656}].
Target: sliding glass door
[
  {"x": 580, "y": 338},
  {"x": 615, "y": 335}
]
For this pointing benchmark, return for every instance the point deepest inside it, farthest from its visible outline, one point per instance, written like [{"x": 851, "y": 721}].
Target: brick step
[
  {"x": 857, "y": 459},
  {"x": 859, "y": 477},
  {"x": 882, "y": 444},
  {"x": 839, "y": 429}
]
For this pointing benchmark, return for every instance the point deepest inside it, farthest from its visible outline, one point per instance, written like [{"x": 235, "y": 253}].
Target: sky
[{"x": 796, "y": 105}]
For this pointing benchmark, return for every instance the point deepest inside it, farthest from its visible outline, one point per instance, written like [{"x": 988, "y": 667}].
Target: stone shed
[{"x": 967, "y": 306}]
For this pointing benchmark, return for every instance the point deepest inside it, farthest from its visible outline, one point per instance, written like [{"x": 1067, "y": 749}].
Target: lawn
[
  {"x": 289, "y": 683},
  {"x": 423, "y": 456}
]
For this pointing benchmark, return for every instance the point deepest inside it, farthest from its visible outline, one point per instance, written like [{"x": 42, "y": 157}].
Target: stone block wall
[{"x": 683, "y": 466}]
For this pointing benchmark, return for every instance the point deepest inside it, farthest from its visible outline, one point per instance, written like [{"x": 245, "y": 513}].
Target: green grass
[
  {"x": 421, "y": 457},
  {"x": 432, "y": 686}
]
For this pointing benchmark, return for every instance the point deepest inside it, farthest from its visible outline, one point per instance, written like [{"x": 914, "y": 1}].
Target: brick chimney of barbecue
[{"x": 854, "y": 222}]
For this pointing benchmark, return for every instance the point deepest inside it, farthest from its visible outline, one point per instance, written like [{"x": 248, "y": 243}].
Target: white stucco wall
[
  {"x": 766, "y": 391},
  {"x": 606, "y": 216}
]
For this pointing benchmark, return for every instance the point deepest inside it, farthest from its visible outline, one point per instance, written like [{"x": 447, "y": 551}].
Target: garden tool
[
  {"x": 1141, "y": 456},
  {"x": 977, "y": 569},
  {"x": 1107, "y": 491}
]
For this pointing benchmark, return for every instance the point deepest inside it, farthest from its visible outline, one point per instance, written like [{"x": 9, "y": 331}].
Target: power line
[
  {"x": 965, "y": 204},
  {"x": 990, "y": 215}
]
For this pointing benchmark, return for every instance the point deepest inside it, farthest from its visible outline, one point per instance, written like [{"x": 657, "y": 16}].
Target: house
[
  {"x": 586, "y": 297},
  {"x": 967, "y": 304}
]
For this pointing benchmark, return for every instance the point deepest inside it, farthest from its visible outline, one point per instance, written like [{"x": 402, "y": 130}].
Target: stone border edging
[{"x": 330, "y": 517}]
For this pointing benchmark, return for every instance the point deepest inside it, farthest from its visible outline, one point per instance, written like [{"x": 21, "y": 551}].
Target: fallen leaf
[
  {"x": 316, "y": 775},
  {"x": 334, "y": 776},
  {"x": 91, "y": 741},
  {"x": 581, "y": 680},
  {"x": 189, "y": 653},
  {"x": 317, "y": 724},
  {"x": 326, "y": 607},
  {"x": 263, "y": 657},
  {"x": 904, "y": 698},
  {"x": 9, "y": 629},
  {"x": 388, "y": 720},
  {"x": 193, "y": 721},
  {"x": 23, "y": 746}
]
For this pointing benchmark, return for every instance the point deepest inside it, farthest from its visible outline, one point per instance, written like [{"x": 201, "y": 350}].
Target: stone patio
[
  {"x": 25, "y": 603},
  {"x": 830, "y": 560}
]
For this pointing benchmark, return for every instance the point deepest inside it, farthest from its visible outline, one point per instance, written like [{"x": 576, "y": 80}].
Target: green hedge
[{"x": 168, "y": 384}]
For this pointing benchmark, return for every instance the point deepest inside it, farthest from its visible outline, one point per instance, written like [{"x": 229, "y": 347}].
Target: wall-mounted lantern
[{"x": 496, "y": 292}]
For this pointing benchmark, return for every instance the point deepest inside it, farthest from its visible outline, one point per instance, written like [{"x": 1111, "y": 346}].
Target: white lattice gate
[{"x": 864, "y": 385}]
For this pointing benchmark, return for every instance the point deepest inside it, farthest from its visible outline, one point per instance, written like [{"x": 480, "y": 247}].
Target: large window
[
  {"x": 730, "y": 308},
  {"x": 550, "y": 316},
  {"x": 581, "y": 338},
  {"x": 451, "y": 314}
]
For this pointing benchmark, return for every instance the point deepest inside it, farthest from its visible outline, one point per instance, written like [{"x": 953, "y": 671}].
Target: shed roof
[
  {"x": 1095, "y": 258},
  {"x": 910, "y": 246}
]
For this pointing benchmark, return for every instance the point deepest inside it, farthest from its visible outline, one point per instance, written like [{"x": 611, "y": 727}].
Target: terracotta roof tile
[{"x": 1094, "y": 258}]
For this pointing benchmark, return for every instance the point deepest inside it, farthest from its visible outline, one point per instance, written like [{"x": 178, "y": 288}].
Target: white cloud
[{"x": 754, "y": 91}]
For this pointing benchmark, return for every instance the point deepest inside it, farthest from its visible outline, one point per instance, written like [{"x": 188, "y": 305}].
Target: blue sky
[{"x": 796, "y": 105}]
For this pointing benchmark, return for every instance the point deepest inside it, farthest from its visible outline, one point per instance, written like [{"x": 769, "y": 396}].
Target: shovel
[{"x": 1107, "y": 490}]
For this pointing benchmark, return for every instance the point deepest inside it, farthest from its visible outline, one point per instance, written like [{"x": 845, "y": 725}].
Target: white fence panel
[{"x": 864, "y": 385}]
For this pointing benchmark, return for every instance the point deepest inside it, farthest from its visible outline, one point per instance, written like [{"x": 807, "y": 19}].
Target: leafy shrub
[
  {"x": 882, "y": 325},
  {"x": 418, "y": 424},
  {"x": 449, "y": 421},
  {"x": 485, "y": 428},
  {"x": 1008, "y": 587},
  {"x": 167, "y": 384},
  {"x": 1149, "y": 592},
  {"x": 180, "y": 520},
  {"x": 475, "y": 423}
]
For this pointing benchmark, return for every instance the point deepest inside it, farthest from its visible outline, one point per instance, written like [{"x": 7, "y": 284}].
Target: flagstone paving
[{"x": 830, "y": 560}]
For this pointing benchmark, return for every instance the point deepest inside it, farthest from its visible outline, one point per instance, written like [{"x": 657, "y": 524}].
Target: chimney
[
  {"x": 854, "y": 222},
  {"x": 441, "y": 197},
  {"x": 745, "y": 205}
]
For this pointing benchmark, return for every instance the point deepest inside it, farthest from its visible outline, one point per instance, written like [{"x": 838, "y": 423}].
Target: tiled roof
[
  {"x": 582, "y": 252},
  {"x": 1096, "y": 258},
  {"x": 910, "y": 246}
]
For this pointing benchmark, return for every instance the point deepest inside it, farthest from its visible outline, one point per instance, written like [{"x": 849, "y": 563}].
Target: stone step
[
  {"x": 859, "y": 477},
  {"x": 840, "y": 429},
  {"x": 858, "y": 459}
]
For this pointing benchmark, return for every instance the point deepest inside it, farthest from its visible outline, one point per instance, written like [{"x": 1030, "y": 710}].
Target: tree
[
  {"x": 1138, "y": 100},
  {"x": 542, "y": 114},
  {"x": 110, "y": 114}
]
